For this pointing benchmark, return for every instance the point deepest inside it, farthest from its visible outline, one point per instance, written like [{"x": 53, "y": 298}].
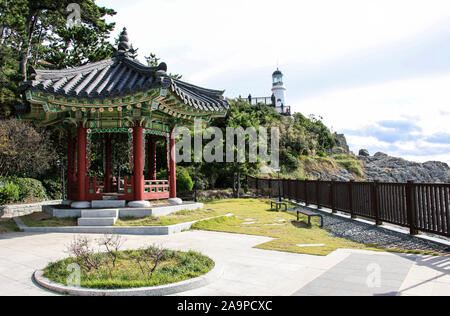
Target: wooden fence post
[
  {"x": 350, "y": 199},
  {"x": 375, "y": 206},
  {"x": 318, "y": 194},
  {"x": 333, "y": 207},
  {"x": 296, "y": 191},
  {"x": 411, "y": 202},
  {"x": 306, "y": 193},
  {"x": 256, "y": 186}
]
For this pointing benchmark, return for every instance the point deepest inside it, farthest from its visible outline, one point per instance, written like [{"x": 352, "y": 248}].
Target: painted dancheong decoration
[{"x": 118, "y": 95}]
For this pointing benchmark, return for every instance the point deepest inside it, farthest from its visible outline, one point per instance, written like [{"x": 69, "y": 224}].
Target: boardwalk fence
[{"x": 421, "y": 207}]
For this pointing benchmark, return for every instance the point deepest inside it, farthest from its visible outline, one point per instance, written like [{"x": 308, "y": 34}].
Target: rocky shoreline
[{"x": 385, "y": 168}]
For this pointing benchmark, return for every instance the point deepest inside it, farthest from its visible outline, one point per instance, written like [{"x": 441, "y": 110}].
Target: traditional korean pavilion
[{"x": 118, "y": 95}]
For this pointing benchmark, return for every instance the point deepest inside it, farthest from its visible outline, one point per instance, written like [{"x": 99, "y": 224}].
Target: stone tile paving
[
  {"x": 361, "y": 275},
  {"x": 248, "y": 271}
]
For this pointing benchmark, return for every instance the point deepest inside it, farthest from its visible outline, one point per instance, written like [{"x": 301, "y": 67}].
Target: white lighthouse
[{"x": 279, "y": 93}]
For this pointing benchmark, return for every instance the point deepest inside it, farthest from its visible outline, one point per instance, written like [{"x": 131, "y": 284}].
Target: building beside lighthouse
[{"x": 278, "y": 98}]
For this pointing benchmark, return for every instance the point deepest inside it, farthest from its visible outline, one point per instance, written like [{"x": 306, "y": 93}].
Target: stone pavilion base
[{"x": 61, "y": 211}]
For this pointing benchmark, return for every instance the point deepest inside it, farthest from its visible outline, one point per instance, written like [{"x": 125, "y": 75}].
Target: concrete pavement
[{"x": 248, "y": 271}]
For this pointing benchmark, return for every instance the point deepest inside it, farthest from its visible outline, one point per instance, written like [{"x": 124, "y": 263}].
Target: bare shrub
[
  {"x": 112, "y": 244},
  {"x": 85, "y": 255},
  {"x": 149, "y": 259}
]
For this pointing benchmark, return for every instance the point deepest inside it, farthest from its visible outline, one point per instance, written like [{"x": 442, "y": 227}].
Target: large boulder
[{"x": 364, "y": 153}]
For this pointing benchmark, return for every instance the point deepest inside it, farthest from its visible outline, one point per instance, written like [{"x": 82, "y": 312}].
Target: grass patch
[
  {"x": 41, "y": 219},
  {"x": 254, "y": 217},
  {"x": 175, "y": 266},
  {"x": 172, "y": 219},
  {"x": 353, "y": 165},
  {"x": 8, "y": 225}
]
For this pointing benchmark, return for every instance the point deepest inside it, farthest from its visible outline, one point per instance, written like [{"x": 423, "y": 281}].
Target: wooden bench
[
  {"x": 278, "y": 205},
  {"x": 309, "y": 214}
]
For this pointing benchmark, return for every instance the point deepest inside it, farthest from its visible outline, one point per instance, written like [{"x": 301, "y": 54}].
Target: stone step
[
  {"x": 103, "y": 221},
  {"x": 110, "y": 197},
  {"x": 100, "y": 213},
  {"x": 109, "y": 204}
]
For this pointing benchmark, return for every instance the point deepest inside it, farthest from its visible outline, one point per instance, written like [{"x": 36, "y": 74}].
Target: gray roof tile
[{"x": 121, "y": 76}]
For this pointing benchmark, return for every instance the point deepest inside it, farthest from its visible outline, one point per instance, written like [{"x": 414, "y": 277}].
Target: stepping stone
[
  {"x": 274, "y": 224},
  {"x": 248, "y": 223},
  {"x": 250, "y": 219},
  {"x": 311, "y": 245}
]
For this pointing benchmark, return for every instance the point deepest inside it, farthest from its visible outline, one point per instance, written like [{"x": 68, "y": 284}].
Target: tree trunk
[{"x": 32, "y": 19}]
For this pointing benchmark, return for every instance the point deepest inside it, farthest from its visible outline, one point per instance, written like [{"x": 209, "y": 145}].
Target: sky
[{"x": 377, "y": 71}]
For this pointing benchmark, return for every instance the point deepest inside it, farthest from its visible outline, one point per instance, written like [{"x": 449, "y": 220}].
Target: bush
[
  {"x": 29, "y": 189},
  {"x": 9, "y": 193},
  {"x": 184, "y": 180},
  {"x": 53, "y": 189}
]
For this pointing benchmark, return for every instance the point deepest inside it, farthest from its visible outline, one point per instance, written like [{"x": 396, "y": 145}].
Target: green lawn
[
  {"x": 8, "y": 225},
  {"x": 41, "y": 219},
  {"x": 172, "y": 219},
  {"x": 175, "y": 266},
  {"x": 254, "y": 217}
]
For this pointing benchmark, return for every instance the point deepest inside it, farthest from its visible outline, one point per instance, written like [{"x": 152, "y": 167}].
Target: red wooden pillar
[
  {"x": 172, "y": 168},
  {"x": 70, "y": 165},
  {"x": 108, "y": 162},
  {"x": 138, "y": 156},
  {"x": 82, "y": 170},
  {"x": 151, "y": 156}
]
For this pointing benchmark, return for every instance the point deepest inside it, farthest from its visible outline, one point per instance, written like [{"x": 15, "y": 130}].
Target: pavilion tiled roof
[{"x": 120, "y": 76}]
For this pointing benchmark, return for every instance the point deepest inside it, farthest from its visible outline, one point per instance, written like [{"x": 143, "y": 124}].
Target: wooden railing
[
  {"x": 153, "y": 189},
  {"x": 156, "y": 189},
  {"x": 419, "y": 206}
]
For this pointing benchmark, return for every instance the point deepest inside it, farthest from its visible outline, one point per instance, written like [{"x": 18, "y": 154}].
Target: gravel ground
[{"x": 370, "y": 234}]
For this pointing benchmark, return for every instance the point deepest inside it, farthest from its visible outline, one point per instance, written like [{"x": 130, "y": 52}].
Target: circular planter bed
[{"x": 132, "y": 273}]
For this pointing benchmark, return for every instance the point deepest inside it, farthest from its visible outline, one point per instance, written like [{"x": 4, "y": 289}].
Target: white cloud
[
  {"x": 219, "y": 36},
  {"x": 205, "y": 40}
]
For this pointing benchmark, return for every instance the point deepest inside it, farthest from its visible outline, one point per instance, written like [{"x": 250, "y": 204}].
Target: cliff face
[{"x": 391, "y": 169}]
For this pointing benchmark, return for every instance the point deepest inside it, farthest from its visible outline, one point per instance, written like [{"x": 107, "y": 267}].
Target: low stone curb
[
  {"x": 161, "y": 290},
  {"x": 122, "y": 230},
  {"x": 25, "y": 209}
]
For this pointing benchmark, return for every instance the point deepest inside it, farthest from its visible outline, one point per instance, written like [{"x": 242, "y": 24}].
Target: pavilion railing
[
  {"x": 421, "y": 207},
  {"x": 95, "y": 187},
  {"x": 153, "y": 189},
  {"x": 156, "y": 189}
]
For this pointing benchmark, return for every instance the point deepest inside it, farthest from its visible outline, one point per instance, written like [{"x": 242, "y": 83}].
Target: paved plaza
[{"x": 248, "y": 271}]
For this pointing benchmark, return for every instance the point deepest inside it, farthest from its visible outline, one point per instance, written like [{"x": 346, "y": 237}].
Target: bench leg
[
  {"x": 309, "y": 220},
  {"x": 298, "y": 217}
]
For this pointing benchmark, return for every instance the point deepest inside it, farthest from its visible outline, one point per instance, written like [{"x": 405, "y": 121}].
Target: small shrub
[
  {"x": 30, "y": 189},
  {"x": 184, "y": 180},
  {"x": 9, "y": 193}
]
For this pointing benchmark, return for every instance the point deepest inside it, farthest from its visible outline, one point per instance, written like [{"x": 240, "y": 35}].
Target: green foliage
[
  {"x": 353, "y": 165},
  {"x": 9, "y": 193},
  {"x": 29, "y": 189},
  {"x": 35, "y": 33},
  {"x": 53, "y": 189},
  {"x": 184, "y": 180},
  {"x": 24, "y": 150}
]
